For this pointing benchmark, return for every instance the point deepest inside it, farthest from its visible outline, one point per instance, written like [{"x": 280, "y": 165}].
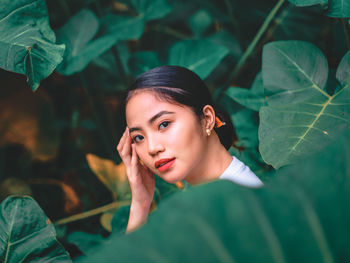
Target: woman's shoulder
[{"x": 241, "y": 174}]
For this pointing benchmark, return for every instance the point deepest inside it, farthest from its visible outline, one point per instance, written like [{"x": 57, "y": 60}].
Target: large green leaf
[
  {"x": 200, "y": 56},
  {"x": 78, "y": 34},
  {"x": 27, "y": 43},
  {"x": 301, "y": 117},
  {"x": 26, "y": 234},
  {"x": 302, "y": 216},
  {"x": 339, "y": 8},
  {"x": 336, "y": 8}
]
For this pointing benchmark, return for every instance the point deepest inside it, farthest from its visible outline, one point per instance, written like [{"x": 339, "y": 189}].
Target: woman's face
[{"x": 169, "y": 137}]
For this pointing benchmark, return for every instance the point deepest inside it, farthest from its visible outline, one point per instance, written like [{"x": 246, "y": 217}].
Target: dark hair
[{"x": 180, "y": 85}]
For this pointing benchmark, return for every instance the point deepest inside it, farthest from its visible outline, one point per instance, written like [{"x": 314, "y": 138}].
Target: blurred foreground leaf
[
  {"x": 26, "y": 234},
  {"x": 302, "y": 117},
  {"x": 302, "y": 216},
  {"x": 27, "y": 43}
]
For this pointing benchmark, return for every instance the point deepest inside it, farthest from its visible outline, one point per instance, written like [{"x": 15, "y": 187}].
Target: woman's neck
[{"x": 213, "y": 164}]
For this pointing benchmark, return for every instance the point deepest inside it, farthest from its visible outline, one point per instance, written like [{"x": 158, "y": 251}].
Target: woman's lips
[{"x": 164, "y": 164}]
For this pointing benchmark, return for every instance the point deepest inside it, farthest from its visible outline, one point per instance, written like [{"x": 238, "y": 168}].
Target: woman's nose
[{"x": 154, "y": 146}]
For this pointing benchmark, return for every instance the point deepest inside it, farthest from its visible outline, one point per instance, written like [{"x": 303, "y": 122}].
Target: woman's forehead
[{"x": 144, "y": 105}]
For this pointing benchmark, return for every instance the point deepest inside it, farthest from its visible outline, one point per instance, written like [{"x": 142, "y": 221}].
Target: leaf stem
[
  {"x": 255, "y": 41},
  {"x": 92, "y": 212},
  {"x": 346, "y": 30}
]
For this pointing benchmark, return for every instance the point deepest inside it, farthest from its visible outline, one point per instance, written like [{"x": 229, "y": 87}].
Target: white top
[{"x": 241, "y": 174}]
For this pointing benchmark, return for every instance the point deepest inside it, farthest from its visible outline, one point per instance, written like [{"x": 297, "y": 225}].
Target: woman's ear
[{"x": 209, "y": 117}]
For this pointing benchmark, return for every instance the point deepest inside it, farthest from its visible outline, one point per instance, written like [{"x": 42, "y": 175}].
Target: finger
[
  {"x": 134, "y": 157},
  {"x": 122, "y": 140},
  {"x": 133, "y": 166},
  {"x": 126, "y": 149}
]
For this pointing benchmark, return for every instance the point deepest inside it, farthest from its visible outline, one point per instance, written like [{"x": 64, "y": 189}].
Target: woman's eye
[
  {"x": 163, "y": 125},
  {"x": 137, "y": 138}
]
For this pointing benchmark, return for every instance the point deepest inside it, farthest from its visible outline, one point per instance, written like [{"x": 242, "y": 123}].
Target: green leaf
[
  {"x": 85, "y": 241},
  {"x": 336, "y": 8},
  {"x": 226, "y": 39},
  {"x": 302, "y": 118},
  {"x": 291, "y": 68},
  {"x": 246, "y": 125},
  {"x": 77, "y": 34},
  {"x": 123, "y": 27},
  {"x": 339, "y": 8},
  {"x": 27, "y": 43},
  {"x": 26, "y": 234},
  {"x": 253, "y": 98},
  {"x": 143, "y": 61},
  {"x": 307, "y": 2},
  {"x": 302, "y": 216},
  {"x": 151, "y": 9},
  {"x": 200, "y": 56},
  {"x": 132, "y": 27},
  {"x": 200, "y": 21}
]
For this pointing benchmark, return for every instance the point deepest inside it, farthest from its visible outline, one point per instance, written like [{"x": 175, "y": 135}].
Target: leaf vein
[{"x": 314, "y": 85}]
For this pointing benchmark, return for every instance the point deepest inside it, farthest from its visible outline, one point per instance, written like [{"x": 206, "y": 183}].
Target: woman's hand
[{"x": 141, "y": 181}]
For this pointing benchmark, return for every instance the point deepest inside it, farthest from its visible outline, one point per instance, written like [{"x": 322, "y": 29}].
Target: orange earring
[{"x": 219, "y": 123}]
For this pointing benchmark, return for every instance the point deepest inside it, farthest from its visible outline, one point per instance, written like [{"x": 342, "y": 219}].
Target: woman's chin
[{"x": 171, "y": 178}]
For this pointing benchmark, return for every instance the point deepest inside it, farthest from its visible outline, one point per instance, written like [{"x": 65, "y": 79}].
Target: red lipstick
[{"x": 164, "y": 164}]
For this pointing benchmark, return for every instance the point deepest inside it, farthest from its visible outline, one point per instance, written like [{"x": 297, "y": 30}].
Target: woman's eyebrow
[
  {"x": 151, "y": 120},
  {"x": 159, "y": 114}
]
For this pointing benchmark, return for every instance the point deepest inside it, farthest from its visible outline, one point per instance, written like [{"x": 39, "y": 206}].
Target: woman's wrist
[{"x": 138, "y": 214}]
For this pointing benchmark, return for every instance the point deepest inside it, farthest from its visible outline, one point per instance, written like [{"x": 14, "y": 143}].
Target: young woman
[{"x": 174, "y": 131}]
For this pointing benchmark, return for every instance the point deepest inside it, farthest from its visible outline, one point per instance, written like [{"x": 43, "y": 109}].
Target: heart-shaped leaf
[
  {"x": 27, "y": 43},
  {"x": 200, "y": 56},
  {"x": 302, "y": 118},
  {"x": 77, "y": 34},
  {"x": 26, "y": 234}
]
